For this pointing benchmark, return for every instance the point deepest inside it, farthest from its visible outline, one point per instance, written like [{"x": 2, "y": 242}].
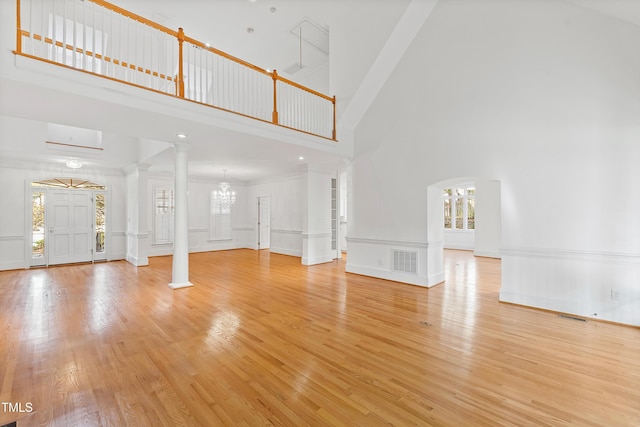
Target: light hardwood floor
[{"x": 262, "y": 340}]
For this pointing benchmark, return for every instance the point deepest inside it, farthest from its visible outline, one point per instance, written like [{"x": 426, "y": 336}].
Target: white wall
[
  {"x": 488, "y": 234},
  {"x": 542, "y": 96},
  {"x": 199, "y": 211},
  {"x": 316, "y": 224},
  {"x": 300, "y": 212},
  {"x": 287, "y": 204},
  {"x": 357, "y": 36},
  {"x": 460, "y": 239}
]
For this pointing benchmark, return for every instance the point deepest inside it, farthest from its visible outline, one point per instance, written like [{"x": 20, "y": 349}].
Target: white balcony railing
[{"x": 103, "y": 39}]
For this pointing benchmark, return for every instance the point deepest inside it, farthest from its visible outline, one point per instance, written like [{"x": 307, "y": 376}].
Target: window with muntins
[
  {"x": 163, "y": 215},
  {"x": 459, "y": 208},
  {"x": 220, "y": 220}
]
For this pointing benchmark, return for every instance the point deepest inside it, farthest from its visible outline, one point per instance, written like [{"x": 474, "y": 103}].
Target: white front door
[
  {"x": 70, "y": 226},
  {"x": 264, "y": 222}
]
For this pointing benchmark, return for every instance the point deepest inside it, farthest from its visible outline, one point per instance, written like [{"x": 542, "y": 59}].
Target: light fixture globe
[{"x": 73, "y": 163}]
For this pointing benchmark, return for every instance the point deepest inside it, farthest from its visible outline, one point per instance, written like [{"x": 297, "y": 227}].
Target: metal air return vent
[{"x": 405, "y": 261}]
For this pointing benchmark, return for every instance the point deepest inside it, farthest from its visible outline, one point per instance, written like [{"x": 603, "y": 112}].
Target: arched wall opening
[{"x": 487, "y": 227}]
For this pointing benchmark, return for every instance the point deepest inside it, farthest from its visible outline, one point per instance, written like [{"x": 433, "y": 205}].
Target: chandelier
[{"x": 224, "y": 197}]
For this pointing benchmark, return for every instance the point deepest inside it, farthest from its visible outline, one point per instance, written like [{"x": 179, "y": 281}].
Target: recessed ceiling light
[
  {"x": 181, "y": 135},
  {"x": 300, "y": 158},
  {"x": 207, "y": 45}
]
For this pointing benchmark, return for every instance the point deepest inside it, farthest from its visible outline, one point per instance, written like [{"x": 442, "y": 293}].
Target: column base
[{"x": 180, "y": 285}]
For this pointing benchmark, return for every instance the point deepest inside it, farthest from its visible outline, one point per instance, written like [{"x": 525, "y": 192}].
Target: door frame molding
[
  {"x": 259, "y": 219},
  {"x": 28, "y": 216}
]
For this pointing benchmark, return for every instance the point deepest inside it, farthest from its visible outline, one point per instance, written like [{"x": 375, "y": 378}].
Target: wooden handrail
[
  {"x": 225, "y": 55},
  {"x": 306, "y": 89},
  {"x": 180, "y": 36},
  {"x": 97, "y": 56}
]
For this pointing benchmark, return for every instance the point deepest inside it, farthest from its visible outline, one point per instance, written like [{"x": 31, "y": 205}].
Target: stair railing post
[
  {"x": 274, "y": 118},
  {"x": 18, "y": 28},
  {"x": 180, "y": 82},
  {"x": 333, "y": 134}
]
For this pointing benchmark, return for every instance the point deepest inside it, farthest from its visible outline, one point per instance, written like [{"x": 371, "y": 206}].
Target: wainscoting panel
[
  {"x": 286, "y": 242},
  {"x": 12, "y": 253},
  {"x": 587, "y": 284},
  {"x": 118, "y": 245},
  {"x": 316, "y": 248},
  {"x": 375, "y": 257}
]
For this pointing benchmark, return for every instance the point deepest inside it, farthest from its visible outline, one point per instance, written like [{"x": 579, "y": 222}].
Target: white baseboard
[
  {"x": 393, "y": 276},
  {"x": 117, "y": 256},
  {"x": 138, "y": 262},
  {"x": 180, "y": 285},
  {"x": 488, "y": 254},
  {"x": 285, "y": 251},
  {"x": 15, "y": 265},
  {"x": 317, "y": 260}
]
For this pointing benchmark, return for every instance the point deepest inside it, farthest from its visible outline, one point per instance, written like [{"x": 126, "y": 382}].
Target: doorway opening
[
  {"x": 264, "y": 222},
  {"x": 68, "y": 222},
  {"x": 459, "y": 208}
]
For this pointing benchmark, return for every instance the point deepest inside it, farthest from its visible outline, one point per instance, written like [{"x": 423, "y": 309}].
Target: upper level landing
[{"x": 90, "y": 64}]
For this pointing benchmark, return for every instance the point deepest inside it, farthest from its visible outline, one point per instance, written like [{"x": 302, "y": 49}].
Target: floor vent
[
  {"x": 566, "y": 316},
  {"x": 405, "y": 261}
]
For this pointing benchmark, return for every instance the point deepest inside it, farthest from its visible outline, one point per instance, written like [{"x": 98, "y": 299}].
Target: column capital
[{"x": 181, "y": 146}]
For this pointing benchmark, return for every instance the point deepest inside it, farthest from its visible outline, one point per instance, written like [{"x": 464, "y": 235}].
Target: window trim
[
  {"x": 217, "y": 233},
  {"x": 452, "y": 194},
  {"x": 157, "y": 216}
]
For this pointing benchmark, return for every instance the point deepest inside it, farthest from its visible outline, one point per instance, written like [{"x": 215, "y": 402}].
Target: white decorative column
[
  {"x": 137, "y": 230},
  {"x": 180, "y": 271}
]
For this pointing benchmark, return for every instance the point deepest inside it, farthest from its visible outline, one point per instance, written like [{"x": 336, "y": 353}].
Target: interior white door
[
  {"x": 70, "y": 223},
  {"x": 264, "y": 222}
]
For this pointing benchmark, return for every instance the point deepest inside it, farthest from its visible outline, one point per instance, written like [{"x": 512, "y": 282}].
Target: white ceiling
[
  {"x": 224, "y": 24},
  {"x": 125, "y": 121},
  {"x": 625, "y": 10},
  {"x": 133, "y": 129},
  {"x": 249, "y": 156}
]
